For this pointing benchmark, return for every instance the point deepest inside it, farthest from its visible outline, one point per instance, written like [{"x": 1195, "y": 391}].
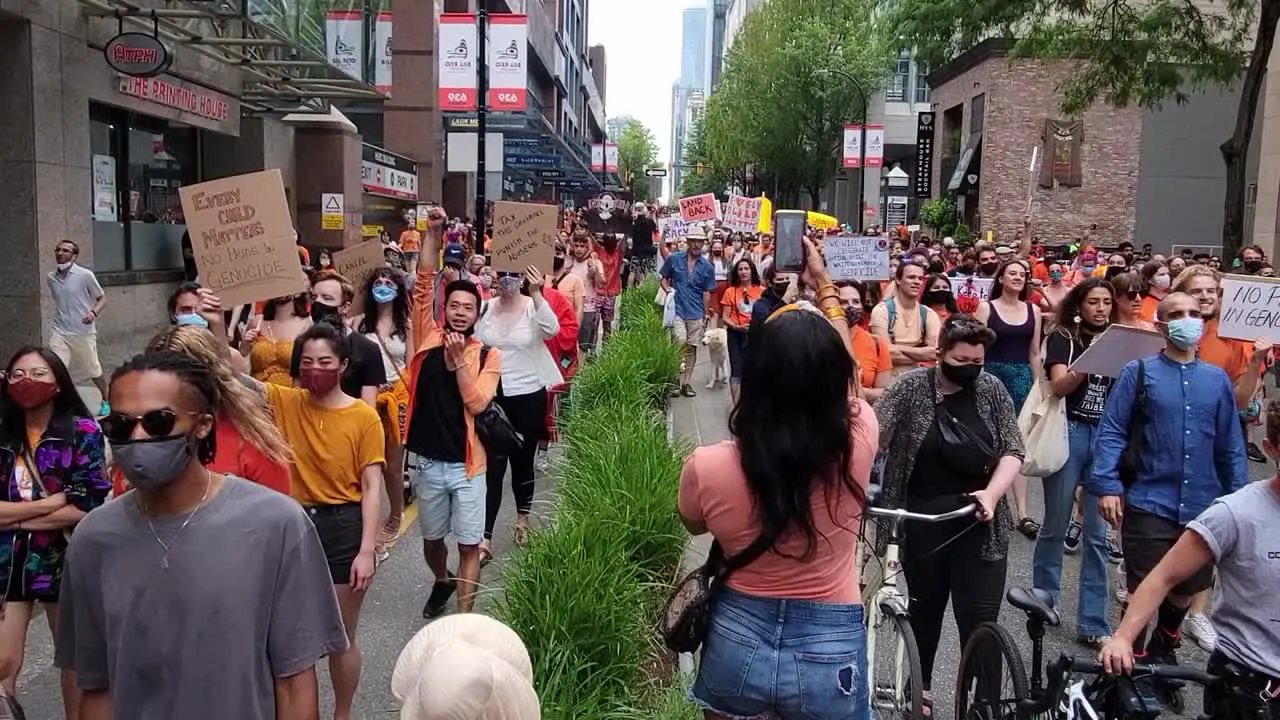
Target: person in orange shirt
[
  {"x": 744, "y": 290},
  {"x": 937, "y": 296},
  {"x": 871, "y": 353},
  {"x": 1158, "y": 279},
  {"x": 410, "y": 244}
]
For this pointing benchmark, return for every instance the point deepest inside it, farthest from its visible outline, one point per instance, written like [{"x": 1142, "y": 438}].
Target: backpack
[
  {"x": 1131, "y": 456},
  {"x": 892, "y": 308}
]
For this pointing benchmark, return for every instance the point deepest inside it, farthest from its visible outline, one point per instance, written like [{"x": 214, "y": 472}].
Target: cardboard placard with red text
[{"x": 698, "y": 208}]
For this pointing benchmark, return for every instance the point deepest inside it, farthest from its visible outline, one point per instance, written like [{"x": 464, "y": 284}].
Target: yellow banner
[
  {"x": 766, "y": 215},
  {"x": 820, "y": 221}
]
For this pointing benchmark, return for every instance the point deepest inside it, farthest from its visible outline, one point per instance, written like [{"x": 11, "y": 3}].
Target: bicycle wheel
[
  {"x": 897, "y": 682},
  {"x": 985, "y": 690}
]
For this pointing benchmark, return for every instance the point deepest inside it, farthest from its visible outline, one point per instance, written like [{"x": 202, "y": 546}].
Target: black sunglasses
[{"x": 118, "y": 427}]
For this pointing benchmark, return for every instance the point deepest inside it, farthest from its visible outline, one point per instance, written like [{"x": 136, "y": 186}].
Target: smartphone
[{"x": 788, "y": 243}]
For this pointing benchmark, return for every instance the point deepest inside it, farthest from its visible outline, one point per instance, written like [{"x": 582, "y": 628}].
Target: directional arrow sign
[{"x": 656, "y": 172}]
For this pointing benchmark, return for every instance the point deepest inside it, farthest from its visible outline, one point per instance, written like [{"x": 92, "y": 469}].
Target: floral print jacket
[
  {"x": 905, "y": 419},
  {"x": 71, "y": 459}
]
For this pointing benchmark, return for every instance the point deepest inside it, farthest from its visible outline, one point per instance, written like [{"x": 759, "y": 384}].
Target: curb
[{"x": 687, "y": 665}]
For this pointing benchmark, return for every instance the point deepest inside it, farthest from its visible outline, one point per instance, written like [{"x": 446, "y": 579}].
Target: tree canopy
[
  {"x": 797, "y": 71},
  {"x": 1127, "y": 53},
  {"x": 637, "y": 150}
]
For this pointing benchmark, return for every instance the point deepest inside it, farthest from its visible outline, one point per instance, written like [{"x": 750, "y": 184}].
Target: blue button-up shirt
[
  {"x": 689, "y": 285},
  {"x": 1193, "y": 449}
]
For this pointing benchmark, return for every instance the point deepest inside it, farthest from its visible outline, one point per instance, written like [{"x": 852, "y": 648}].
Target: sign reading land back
[{"x": 243, "y": 239}]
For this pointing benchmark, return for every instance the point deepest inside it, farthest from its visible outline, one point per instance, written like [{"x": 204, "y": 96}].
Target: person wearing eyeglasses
[{"x": 196, "y": 594}]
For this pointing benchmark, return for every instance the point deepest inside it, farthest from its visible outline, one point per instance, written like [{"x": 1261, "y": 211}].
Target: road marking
[{"x": 408, "y": 518}]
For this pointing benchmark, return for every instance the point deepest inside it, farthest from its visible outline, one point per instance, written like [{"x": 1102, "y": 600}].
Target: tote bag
[{"x": 1043, "y": 422}]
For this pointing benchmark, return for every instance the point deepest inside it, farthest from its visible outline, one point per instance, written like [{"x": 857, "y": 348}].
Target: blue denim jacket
[
  {"x": 689, "y": 286},
  {"x": 1193, "y": 447}
]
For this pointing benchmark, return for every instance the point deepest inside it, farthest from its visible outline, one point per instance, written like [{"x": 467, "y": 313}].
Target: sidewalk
[{"x": 113, "y": 351}]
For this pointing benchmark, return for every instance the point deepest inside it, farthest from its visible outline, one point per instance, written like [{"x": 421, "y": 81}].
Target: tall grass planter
[{"x": 586, "y": 592}]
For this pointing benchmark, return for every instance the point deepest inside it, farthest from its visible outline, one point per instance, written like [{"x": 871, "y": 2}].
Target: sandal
[
  {"x": 522, "y": 535},
  {"x": 486, "y": 555},
  {"x": 1029, "y": 528}
]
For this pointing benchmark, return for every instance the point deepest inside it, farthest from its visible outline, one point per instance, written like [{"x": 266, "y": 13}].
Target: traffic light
[{"x": 698, "y": 168}]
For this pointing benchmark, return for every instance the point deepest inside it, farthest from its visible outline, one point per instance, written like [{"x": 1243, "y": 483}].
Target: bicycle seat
[{"x": 1035, "y": 603}]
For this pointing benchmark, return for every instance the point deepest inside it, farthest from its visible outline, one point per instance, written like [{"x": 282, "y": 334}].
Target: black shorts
[
  {"x": 341, "y": 530},
  {"x": 737, "y": 341},
  {"x": 1145, "y": 539}
]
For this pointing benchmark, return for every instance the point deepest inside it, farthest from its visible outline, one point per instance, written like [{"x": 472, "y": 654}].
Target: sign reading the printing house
[{"x": 137, "y": 54}]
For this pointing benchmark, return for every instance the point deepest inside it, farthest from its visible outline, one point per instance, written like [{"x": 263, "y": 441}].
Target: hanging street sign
[
  {"x": 656, "y": 172},
  {"x": 137, "y": 54}
]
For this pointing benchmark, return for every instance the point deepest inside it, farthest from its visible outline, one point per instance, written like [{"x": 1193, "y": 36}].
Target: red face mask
[
  {"x": 28, "y": 393},
  {"x": 320, "y": 381}
]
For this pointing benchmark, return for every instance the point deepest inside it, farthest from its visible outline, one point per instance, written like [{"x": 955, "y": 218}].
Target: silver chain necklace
[{"x": 164, "y": 559}]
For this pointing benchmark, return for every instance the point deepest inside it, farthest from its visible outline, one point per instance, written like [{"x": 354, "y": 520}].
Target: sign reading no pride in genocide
[
  {"x": 524, "y": 234},
  {"x": 243, "y": 239},
  {"x": 356, "y": 264},
  {"x": 851, "y": 257},
  {"x": 1250, "y": 308}
]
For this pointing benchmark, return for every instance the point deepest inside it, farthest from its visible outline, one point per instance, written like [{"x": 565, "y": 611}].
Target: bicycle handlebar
[
  {"x": 1057, "y": 671},
  {"x": 907, "y": 515}
]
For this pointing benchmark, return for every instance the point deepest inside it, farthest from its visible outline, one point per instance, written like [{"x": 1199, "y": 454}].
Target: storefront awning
[{"x": 277, "y": 44}]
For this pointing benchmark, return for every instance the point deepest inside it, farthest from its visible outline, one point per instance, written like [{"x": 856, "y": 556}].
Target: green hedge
[{"x": 586, "y": 592}]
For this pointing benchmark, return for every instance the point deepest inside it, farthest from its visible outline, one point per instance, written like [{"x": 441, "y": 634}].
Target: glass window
[
  {"x": 897, "y": 86},
  {"x": 922, "y": 82},
  {"x": 108, "y": 218},
  {"x": 977, "y": 112}
]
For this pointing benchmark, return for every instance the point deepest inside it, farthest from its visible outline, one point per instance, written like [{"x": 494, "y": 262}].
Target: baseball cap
[{"x": 455, "y": 255}]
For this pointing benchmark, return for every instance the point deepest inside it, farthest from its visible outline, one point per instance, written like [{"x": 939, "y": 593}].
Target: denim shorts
[
  {"x": 448, "y": 500},
  {"x": 767, "y": 658}
]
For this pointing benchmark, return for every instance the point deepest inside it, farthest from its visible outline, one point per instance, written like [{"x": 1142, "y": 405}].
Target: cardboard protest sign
[
  {"x": 742, "y": 214},
  {"x": 243, "y": 238},
  {"x": 672, "y": 228},
  {"x": 1112, "y": 350},
  {"x": 697, "y": 208},
  {"x": 1250, "y": 308},
  {"x": 356, "y": 264},
  {"x": 850, "y": 257},
  {"x": 524, "y": 234},
  {"x": 970, "y": 292}
]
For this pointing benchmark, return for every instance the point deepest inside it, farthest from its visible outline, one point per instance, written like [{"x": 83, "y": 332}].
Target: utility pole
[{"x": 482, "y": 109}]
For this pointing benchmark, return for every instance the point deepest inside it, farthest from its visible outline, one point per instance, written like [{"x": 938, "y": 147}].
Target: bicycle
[
  {"x": 901, "y": 695},
  {"x": 1065, "y": 696}
]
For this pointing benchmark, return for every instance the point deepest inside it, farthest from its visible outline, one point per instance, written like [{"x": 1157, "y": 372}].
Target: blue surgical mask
[
  {"x": 1185, "y": 332},
  {"x": 384, "y": 294},
  {"x": 191, "y": 319}
]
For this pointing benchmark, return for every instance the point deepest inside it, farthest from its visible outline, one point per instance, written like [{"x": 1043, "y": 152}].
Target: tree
[
  {"x": 1127, "y": 52},
  {"x": 637, "y": 150},
  {"x": 798, "y": 71}
]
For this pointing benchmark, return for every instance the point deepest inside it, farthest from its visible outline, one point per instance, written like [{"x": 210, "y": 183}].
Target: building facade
[
  {"x": 690, "y": 89},
  {"x": 717, "y": 17}
]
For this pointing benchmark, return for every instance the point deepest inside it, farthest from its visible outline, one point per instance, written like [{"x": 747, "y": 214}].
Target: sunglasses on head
[{"x": 119, "y": 428}]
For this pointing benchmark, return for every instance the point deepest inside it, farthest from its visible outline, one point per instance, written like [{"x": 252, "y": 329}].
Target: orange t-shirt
[
  {"x": 1040, "y": 272},
  {"x": 1148, "y": 310},
  {"x": 236, "y": 456},
  {"x": 713, "y": 490},
  {"x": 304, "y": 255},
  {"x": 1230, "y": 355},
  {"x": 410, "y": 241},
  {"x": 737, "y": 294},
  {"x": 612, "y": 264},
  {"x": 872, "y": 354}
]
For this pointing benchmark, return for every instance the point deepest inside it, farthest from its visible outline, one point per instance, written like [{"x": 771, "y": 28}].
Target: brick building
[{"x": 1143, "y": 175}]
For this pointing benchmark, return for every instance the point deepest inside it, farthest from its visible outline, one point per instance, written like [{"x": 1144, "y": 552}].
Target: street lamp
[{"x": 862, "y": 136}]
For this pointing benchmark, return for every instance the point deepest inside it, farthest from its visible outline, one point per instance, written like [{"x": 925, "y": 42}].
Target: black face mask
[
  {"x": 990, "y": 268},
  {"x": 1114, "y": 271},
  {"x": 557, "y": 263},
  {"x": 325, "y": 313},
  {"x": 781, "y": 288},
  {"x": 1252, "y": 266},
  {"x": 937, "y": 297},
  {"x": 962, "y": 375}
]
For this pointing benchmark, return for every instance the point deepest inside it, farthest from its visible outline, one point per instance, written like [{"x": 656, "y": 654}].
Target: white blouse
[
  {"x": 393, "y": 353},
  {"x": 527, "y": 365}
]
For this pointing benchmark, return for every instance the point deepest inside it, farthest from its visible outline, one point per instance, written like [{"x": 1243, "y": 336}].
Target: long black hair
[
  {"x": 793, "y": 426},
  {"x": 198, "y": 380},
  {"x": 399, "y": 306},
  {"x": 67, "y": 404},
  {"x": 734, "y": 281},
  {"x": 1068, "y": 318}
]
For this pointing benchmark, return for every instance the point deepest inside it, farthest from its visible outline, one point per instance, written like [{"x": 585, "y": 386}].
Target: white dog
[{"x": 717, "y": 342}]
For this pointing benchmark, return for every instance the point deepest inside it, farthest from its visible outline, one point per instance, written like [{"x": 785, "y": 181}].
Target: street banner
[
  {"x": 597, "y": 158},
  {"x": 356, "y": 264},
  {"x": 852, "y": 146},
  {"x": 382, "y": 52},
  {"x": 344, "y": 40},
  {"x": 924, "y": 154},
  {"x": 850, "y": 257},
  {"x": 524, "y": 234},
  {"x": 508, "y": 70},
  {"x": 243, "y": 238},
  {"x": 1250, "y": 308},
  {"x": 698, "y": 208},
  {"x": 742, "y": 214},
  {"x": 457, "y": 81},
  {"x": 875, "y": 146},
  {"x": 611, "y": 158}
]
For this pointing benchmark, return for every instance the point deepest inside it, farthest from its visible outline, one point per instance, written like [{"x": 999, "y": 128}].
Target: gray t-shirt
[
  {"x": 73, "y": 297},
  {"x": 1242, "y": 531},
  {"x": 246, "y": 598}
]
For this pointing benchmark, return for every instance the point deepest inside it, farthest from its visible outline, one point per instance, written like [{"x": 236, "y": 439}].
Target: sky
[{"x": 642, "y": 59}]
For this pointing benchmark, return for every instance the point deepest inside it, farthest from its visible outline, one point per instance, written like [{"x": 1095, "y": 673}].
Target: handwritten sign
[
  {"x": 742, "y": 213},
  {"x": 524, "y": 234},
  {"x": 1250, "y": 308},
  {"x": 1118, "y": 346},
  {"x": 970, "y": 292},
  {"x": 356, "y": 264},
  {"x": 697, "y": 208},
  {"x": 851, "y": 257},
  {"x": 243, "y": 239},
  {"x": 672, "y": 228}
]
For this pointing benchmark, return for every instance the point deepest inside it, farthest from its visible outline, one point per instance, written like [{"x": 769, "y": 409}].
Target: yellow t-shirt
[{"x": 331, "y": 446}]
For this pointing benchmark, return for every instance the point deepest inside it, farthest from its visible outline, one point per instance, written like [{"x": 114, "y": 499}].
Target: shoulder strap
[
  {"x": 382, "y": 343},
  {"x": 1140, "y": 397},
  {"x": 891, "y": 308},
  {"x": 924, "y": 325}
]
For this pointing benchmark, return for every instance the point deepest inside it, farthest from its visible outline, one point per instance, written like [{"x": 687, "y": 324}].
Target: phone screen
[{"x": 788, "y": 228}]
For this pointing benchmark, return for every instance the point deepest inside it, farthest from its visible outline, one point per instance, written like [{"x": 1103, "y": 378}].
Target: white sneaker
[
  {"x": 1122, "y": 585},
  {"x": 544, "y": 460},
  {"x": 1198, "y": 627}
]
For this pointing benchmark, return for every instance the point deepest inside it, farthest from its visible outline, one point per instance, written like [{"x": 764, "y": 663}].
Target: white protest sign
[
  {"x": 1112, "y": 350},
  {"x": 742, "y": 213},
  {"x": 672, "y": 228},
  {"x": 1250, "y": 308},
  {"x": 970, "y": 292},
  {"x": 851, "y": 257}
]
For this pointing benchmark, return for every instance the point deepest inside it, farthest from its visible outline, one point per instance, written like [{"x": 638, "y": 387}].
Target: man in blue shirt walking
[
  {"x": 690, "y": 276},
  {"x": 1192, "y": 452}
]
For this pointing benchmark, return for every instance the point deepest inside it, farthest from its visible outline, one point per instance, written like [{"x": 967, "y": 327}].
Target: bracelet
[{"x": 835, "y": 313}]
